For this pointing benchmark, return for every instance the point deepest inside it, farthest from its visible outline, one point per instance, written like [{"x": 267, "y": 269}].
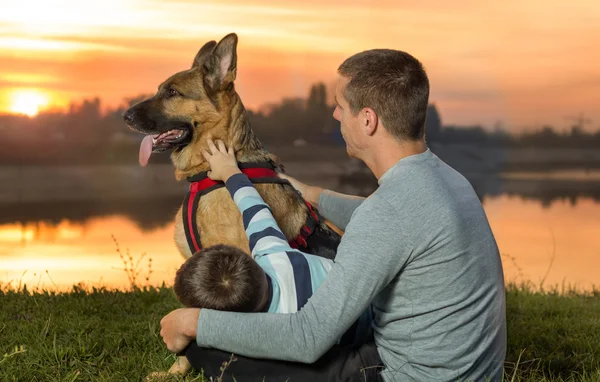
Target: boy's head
[{"x": 222, "y": 277}]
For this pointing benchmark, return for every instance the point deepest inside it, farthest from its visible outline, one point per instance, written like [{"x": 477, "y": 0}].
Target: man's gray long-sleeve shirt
[{"x": 421, "y": 249}]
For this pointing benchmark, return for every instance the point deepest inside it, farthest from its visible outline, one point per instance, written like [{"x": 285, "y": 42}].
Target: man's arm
[
  {"x": 334, "y": 206},
  {"x": 370, "y": 255},
  {"x": 338, "y": 208}
]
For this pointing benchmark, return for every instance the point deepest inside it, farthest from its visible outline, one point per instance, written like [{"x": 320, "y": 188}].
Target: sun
[{"x": 27, "y": 102}]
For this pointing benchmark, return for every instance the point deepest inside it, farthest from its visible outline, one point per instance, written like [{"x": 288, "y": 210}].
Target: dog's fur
[{"x": 203, "y": 101}]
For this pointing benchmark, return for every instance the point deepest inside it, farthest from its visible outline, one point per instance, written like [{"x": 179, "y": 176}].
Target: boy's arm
[
  {"x": 262, "y": 230},
  {"x": 295, "y": 275}
]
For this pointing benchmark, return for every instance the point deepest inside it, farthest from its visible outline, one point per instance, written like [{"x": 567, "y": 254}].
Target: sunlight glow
[
  {"x": 48, "y": 45},
  {"x": 28, "y": 102},
  {"x": 29, "y": 78},
  {"x": 95, "y": 47},
  {"x": 15, "y": 233},
  {"x": 41, "y": 232}
]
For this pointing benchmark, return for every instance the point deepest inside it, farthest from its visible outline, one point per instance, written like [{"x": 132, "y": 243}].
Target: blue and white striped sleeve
[
  {"x": 262, "y": 230},
  {"x": 294, "y": 275},
  {"x": 294, "y": 278}
]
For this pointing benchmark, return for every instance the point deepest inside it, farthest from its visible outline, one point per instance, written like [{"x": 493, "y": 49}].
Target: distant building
[{"x": 433, "y": 124}]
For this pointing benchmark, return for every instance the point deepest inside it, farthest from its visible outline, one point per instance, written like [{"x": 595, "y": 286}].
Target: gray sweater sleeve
[
  {"x": 338, "y": 208},
  {"x": 371, "y": 242}
]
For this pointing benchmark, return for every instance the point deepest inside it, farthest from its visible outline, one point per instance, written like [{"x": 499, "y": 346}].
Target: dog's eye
[{"x": 172, "y": 92}]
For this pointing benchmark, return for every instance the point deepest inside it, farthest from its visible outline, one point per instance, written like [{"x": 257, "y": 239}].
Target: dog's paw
[{"x": 157, "y": 376}]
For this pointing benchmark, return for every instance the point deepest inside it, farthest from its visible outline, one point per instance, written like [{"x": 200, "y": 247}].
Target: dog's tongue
[{"x": 145, "y": 150}]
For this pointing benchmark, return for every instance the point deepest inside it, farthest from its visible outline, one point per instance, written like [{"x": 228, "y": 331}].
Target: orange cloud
[{"x": 521, "y": 63}]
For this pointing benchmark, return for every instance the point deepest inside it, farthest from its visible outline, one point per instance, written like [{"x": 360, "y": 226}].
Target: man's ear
[
  {"x": 203, "y": 54},
  {"x": 221, "y": 66},
  {"x": 370, "y": 120}
]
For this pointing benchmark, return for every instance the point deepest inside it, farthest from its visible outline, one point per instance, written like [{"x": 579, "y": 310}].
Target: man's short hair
[
  {"x": 221, "y": 277},
  {"x": 394, "y": 84}
]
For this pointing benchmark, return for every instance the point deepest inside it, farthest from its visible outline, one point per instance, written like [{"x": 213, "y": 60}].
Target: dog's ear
[
  {"x": 222, "y": 65},
  {"x": 203, "y": 54}
]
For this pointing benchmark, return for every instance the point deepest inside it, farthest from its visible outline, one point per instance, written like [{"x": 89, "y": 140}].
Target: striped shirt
[{"x": 293, "y": 275}]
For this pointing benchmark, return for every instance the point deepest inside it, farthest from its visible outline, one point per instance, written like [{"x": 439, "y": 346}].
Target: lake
[{"x": 58, "y": 225}]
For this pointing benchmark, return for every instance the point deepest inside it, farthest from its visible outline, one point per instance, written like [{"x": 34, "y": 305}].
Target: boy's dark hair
[
  {"x": 221, "y": 277},
  {"x": 394, "y": 84}
]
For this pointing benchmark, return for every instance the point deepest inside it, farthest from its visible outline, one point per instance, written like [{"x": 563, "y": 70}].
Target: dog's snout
[{"x": 128, "y": 117}]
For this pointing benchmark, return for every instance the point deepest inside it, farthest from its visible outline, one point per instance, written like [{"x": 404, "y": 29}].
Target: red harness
[{"x": 201, "y": 184}]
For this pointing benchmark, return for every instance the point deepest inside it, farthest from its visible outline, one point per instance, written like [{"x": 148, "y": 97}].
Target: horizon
[
  {"x": 266, "y": 109},
  {"x": 55, "y": 54}
]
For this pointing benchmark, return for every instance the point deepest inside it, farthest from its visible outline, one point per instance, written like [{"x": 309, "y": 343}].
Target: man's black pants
[{"x": 338, "y": 364}]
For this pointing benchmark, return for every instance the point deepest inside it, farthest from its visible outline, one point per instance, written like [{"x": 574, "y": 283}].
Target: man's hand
[
  {"x": 221, "y": 160},
  {"x": 178, "y": 328},
  {"x": 310, "y": 193}
]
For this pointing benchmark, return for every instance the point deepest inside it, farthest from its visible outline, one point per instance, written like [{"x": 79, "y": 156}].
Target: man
[{"x": 419, "y": 248}]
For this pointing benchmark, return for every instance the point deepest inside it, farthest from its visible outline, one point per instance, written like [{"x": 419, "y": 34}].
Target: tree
[{"x": 433, "y": 124}]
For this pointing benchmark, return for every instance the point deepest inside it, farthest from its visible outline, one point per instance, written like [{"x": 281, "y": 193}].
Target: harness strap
[
  {"x": 190, "y": 206},
  {"x": 312, "y": 220},
  {"x": 201, "y": 184}
]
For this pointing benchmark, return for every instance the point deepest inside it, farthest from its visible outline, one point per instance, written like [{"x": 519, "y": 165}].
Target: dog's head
[{"x": 189, "y": 106}]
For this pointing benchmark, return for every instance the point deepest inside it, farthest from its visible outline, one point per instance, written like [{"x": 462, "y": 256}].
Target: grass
[
  {"x": 98, "y": 335},
  {"x": 553, "y": 334},
  {"x": 107, "y": 335},
  {"x": 101, "y": 334}
]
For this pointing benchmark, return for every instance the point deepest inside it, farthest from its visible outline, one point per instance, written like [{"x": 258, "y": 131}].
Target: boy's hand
[{"x": 221, "y": 160}]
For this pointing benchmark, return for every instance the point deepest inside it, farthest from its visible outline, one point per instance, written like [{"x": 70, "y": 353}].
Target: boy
[
  {"x": 280, "y": 279},
  {"x": 277, "y": 279}
]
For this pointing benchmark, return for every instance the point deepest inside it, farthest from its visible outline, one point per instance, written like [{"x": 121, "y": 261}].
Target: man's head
[
  {"x": 381, "y": 87},
  {"x": 222, "y": 277}
]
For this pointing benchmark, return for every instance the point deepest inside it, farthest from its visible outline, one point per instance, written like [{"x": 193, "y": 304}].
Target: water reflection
[
  {"x": 546, "y": 228},
  {"x": 75, "y": 252},
  {"x": 546, "y": 188},
  {"x": 150, "y": 212},
  {"x": 556, "y": 245},
  {"x": 147, "y": 212}
]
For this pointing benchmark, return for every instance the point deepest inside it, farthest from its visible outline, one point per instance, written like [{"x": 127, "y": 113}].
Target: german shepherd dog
[{"x": 200, "y": 103}]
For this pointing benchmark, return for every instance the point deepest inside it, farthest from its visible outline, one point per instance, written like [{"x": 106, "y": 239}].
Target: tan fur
[
  {"x": 218, "y": 218},
  {"x": 206, "y": 102},
  {"x": 203, "y": 99},
  {"x": 220, "y": 222}
]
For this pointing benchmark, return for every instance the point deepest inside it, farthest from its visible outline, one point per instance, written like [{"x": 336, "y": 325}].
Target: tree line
[{"x": 88, "y": 133}]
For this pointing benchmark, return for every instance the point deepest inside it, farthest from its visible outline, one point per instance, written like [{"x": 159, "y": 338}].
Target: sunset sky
[{"x": 523, "y": 63}]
